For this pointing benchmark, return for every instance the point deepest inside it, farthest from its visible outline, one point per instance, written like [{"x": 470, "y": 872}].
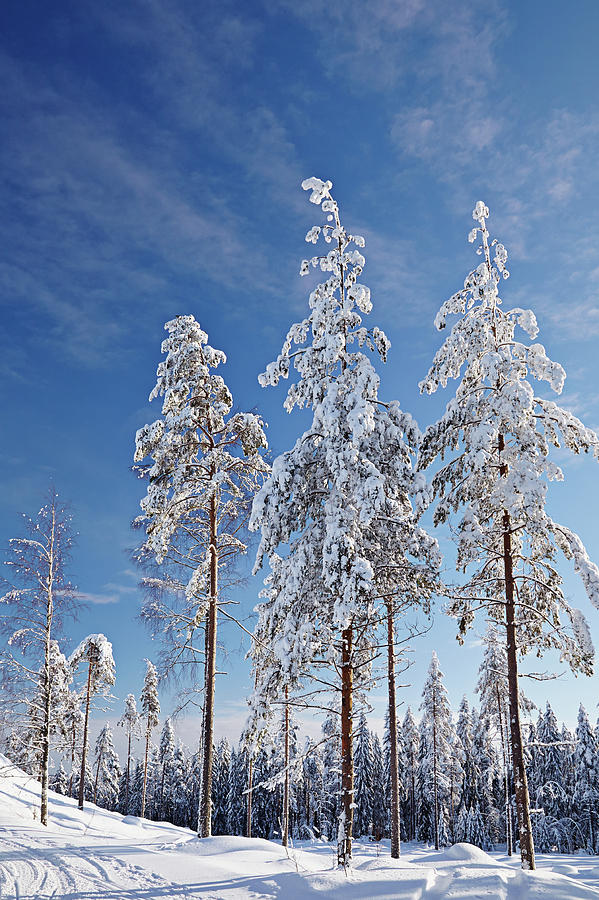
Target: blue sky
[{"x": 151, "y": 160}]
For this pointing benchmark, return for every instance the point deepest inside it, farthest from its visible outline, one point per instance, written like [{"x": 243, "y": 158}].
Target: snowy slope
[{"x": 97, "y": 854}]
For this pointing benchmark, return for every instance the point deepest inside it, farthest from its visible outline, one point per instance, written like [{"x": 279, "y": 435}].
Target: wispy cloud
[
  {"x": 98, "y": 599},
  {"x": 109, "y": 208}
]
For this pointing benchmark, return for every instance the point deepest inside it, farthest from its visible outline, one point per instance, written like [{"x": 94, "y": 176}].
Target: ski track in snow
[
  {"x": 99, "y": 855},
  {"x": 32, "y": 868}
]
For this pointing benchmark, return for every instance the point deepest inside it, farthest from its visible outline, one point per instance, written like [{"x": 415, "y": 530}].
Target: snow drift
[{"x": 99, "y": 854}]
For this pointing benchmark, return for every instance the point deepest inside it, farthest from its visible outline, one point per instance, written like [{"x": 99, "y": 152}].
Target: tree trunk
[
  {"x": 45, "y": 743},
  {"x": 73, "y": 744},
  {"x": 206, "y": 798},
  {"x": 143, "y": 792},
  {"x": 47, "y": 675},
  {"x": 435, "y": 780},
  {"x": 393, "y": 762},
  {"x": 527, "y": 851},
  {"x": 128, "y": 775},
  {"x": 413, "y": 801},
  {"x": 451, "y": 815},
  {"x": 344, "y": 844},
  {"x": 248, "y": 823},
  {"x": 85, "y": 727},
  {"x": 285, "y": 840},
  {"x": 97, "y": 778}
]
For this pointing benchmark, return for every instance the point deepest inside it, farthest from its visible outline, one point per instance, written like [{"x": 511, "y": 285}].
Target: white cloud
[{"x": 98, "y": 599}]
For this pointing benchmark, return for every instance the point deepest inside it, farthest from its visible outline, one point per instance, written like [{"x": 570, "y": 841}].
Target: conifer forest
[{"x": 343, "y": 529}]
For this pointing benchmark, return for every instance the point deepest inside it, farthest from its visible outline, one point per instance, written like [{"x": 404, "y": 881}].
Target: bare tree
[{"x": 39, "y": 598}]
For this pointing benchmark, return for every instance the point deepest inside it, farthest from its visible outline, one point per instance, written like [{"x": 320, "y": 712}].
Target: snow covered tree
[
  {"x": 435, "y": 755},
  {"x": 207, "y": 464},
  {"x": 72, "y": 724},
  {"x": 410, "y": 738},
  {"x": 586, "y": 774},
  {"x": 31, "y": 614},
  {"x": 59, "y": 782},
  {"x": 130, "y": 721},
  {"x": 466, "y": 756},
  {"x": 33, "y": 732},
  {"x": 331, "y": 776},
  {"x": 498, "y": 433},
  {"x": 379, "y": 817},
  {"x": 237, "y": 802},
  {"x": 551, "y": 762},
  {"x": 364, "y": 787},
  {"x": 337, "y": 498},
  {"x": 166, "y": 757},
  {"x": 494, "y": 708},
  {"x": 108, "y": 770},
  {"x": 220, "y": 787},
  {"x": 95, "y": 651},
  {"x": 177, "y": 791},
  {"x": 150, "y": 706}
]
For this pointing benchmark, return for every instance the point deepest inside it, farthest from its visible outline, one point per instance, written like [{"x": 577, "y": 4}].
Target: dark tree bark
[
  {"x": 393, "y": 764},
  {"x": 128, "y": 774},
  {"x": 85, "y": 730},
  {"x": 205, "y": 823},
  {"x": 248, "y": 822},
  {"x": 143, "y": 792},
  {"x": 285, "y": 839},
  {"x": 435, "y": 775},
  {"x": 344, "y": 845},
  {"x": 527, "y": 850}
]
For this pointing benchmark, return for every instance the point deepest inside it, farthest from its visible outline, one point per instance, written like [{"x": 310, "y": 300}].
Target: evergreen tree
[
  {"x": 179, "y": 782},
  {"x": 586, "y": 774},
  {"x": 59, "y": 782},
  {"x": 552, "y": 764},
  {"x": 363, "y": 785},
  {"x": 150, "y": 706},
  {"x": 467, "y": 758},
  {"x": 411, "y": 754},
  {"x": 220, "y": 787},
  {"x": 331, "y": 777},
  {"x": 207, "y": 464},
  {"x": 166, "y": 756},
  {"x": 130, "y": 721},
  {"x": 237, "y": 786},
  {"x": 379, "y": 811},
  {"x": 108, "y": 770},
  {"x": 136, "y": 791},
  {"x": 336, "y": 498},
  {"x": 435, "y": 753},
  {"x": 498, "y": 433},
  {"x": 95, "y": 652}
]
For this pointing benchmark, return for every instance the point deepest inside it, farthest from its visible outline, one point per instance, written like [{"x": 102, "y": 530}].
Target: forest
[{"x": 346, "y": 562}]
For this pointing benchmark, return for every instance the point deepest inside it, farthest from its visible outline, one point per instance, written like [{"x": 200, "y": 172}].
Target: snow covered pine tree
[
  {"x": 130, "y": 721},
  {"x": 498, "y": 433},
  {"x": 95, "y": 651},
  {"x": 335, "y": 498},
  {"x": 207, "y": 465},
  {"x": 150, "y": 706}
]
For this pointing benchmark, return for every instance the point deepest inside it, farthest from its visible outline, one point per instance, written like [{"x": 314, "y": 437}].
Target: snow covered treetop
[
  {"x": 335, "y": 321},
  {"x": 498, "y": 432},
  {"x": 96, "y": 650}
]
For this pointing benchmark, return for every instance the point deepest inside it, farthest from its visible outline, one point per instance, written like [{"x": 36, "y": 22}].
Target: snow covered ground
[{"x": 97, "y": 854}]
